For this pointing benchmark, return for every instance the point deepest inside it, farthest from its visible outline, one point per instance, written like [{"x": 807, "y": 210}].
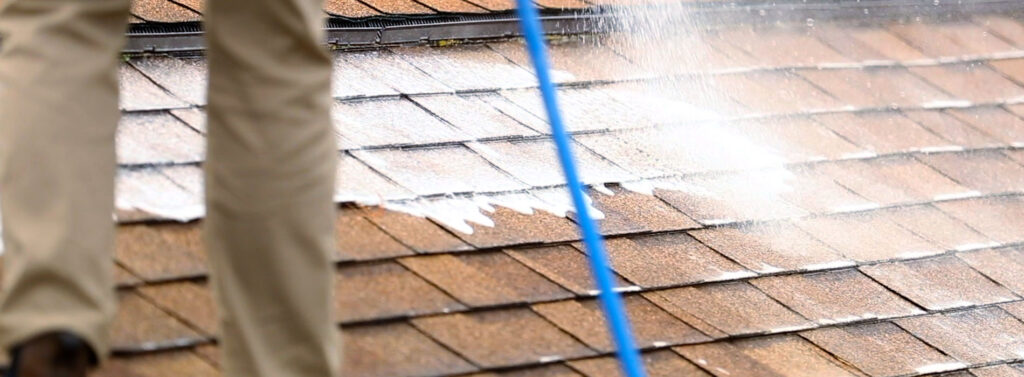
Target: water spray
[{"x": 611, "y": 302}]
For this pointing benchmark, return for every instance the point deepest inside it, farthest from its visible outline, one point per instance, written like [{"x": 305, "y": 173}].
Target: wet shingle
[
  {"x": 186, "y": 78},
  {"x": 782, "y": 46},
  {"x": 629, "y": 212},
  {"x": 385, "y": 122},
  {"x": 190, "y": 302},
  {"x": 1003, "y": 26},
  {"x": 1005, "y": 266},
  {"x": 141, "y": 326},
  {"x": 651, "y": 325},
  {"x": 891, "y": 180},
  {"x": 474, "y": 116},
  {"x": 349, "y": 80},
  {"x": 1005, "y": 126},
  {"x": 733, "y": 197},
  {"x": 535, "y": 162},
  {"x": 953, "y": 38},
  {"x": 985, "y": 171},
  {"x": 998, "y": 218},
  {"x": 161, "y": 252},
  {"x": 564, "y": 265},
  {"x": 397, "y": 349},
  {"x": 881, "y": 132},
  {"x": 775, "y": 356},
  {"x": 391, "y": 69},
  {"x": 881, "y": 349},
  {"x": 734, "y": 308},
  {"x": 951, "y": 129},
  {"x": 669, "y": 259},
  {"x": 573, "y": 60},
  {"x": 467, "y": 67},
  {"x": 485, "y": 279},
  {"x": 974, "y": 82},
  {"x": 383, "y": 290},
  {"x": 173, "y": 363},
  {"x": 799, "y": 139},
  {"x": 939, "y": 283},
  {"x": 771, "y": 247},
  {"x": 417, "y": 232},
  {"x": 515, "y": 228},
  {"x": 835, "y": 296},
  {"x": 817, "y": 193},
  {"x": 138, "y": 93},
  {"x": 547, "y": 370},
  {"x": 439, "y": 170},
  {"x": 974, "y": 336},
  {"x": 881, "y": 40},
  {"x": 937, "y": 227},
  {"x": 157, "y": 138},
  {"x": 658, "y": 364},
  {"x": 867, "y": 237},
  {"x": 583, "y": 109},
  {"x": 355, "y": 181},
  {"x": 487, "y": 338},
  {"x": 359, "y": 239}
]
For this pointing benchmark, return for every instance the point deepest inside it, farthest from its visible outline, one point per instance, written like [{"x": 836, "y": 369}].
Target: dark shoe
[{"x": 57, "y": 354}]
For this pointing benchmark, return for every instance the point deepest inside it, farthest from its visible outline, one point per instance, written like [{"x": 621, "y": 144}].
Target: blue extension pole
[{"x": 611, "y": 302}]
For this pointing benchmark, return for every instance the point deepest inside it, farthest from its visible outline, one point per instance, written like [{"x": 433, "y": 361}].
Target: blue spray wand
[{"x": 611, "y": 302}]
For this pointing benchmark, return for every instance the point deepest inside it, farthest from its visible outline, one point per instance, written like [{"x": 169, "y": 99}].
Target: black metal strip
[{"x": 398, "y": 30}]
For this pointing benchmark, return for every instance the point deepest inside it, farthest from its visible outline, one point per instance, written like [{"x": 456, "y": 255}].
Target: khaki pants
[{"x": 269, "y": 177}]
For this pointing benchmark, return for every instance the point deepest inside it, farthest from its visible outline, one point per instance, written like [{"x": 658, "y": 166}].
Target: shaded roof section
[{"x": 834, "y": 200}]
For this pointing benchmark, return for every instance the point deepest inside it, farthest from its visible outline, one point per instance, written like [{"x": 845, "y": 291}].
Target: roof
[{"x": 837, "y": 198}]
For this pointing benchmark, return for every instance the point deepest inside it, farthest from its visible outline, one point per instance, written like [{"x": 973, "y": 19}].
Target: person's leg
[
  {"x": 58, "y": 115},
  {"x": 270, "y": 181}
]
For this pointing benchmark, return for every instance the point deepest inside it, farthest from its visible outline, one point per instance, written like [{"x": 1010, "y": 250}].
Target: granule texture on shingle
[
  {"x": 770, "y": 246},
  {"x": 578, "y": 59},
  {"x": 881, "y": 349},
  {"x": 157, "y": 138},
  {"x": 191, "y": 302},
  {"x": 773, "y": 356},
  {"x": 973, "y": 81},
  {"x": 381, "y": 290},
  {"x": 939, "y": 283},
  {"x": 782, "y": 46},
  {"x": 817, "y": 193},
  {"x": 485, "y": 279},
  {"x": 890, "y": 180},
  {"x": 651, "y": 325},
  {"x": 545, "y": 370},
  {"x": 355, "y": 181},
  {"x": 161, "y": 252},
  {"x": 999, "y": 218},
  {"x": 350, "y": 81},
  {"x": 397, "y": 349},
  {"x": 954, "y": 130},
  {"x": 516, "y": 228},
  {"x": 472, "y": 67},
  {"x": 173, "y": 363},
  {"x": 985, "y": 171},
  {"x": 563, "y": 264},
  {"x": 1011, "y": 370},
  {"x": 630, "y": 212},
  {"x": 417, "y": 232},
  {"x": 663, "y": 363},
  {"x": 359, "y": 239},
  {"x": 390, "y": 68},
  {"x": 474, "y": 116},
  {"x": 866, "y": 237},
  {"x": 1007, "y": 127},
  {"x": 349, "y": 9},
  {"x": 973, "y": 336},
  {"x": 535, "y": 163},
  {"x": 193, "y": 117},
  {"x": 163, "y": 11},
  {"x": 584, "y": 109},
  {"x": 141, "y": 326},
  {"x": 146, "y": 193},
  {"x": 399, "y": 7},
  {"x": 735, "y": 308},
  {"x": 798, "y": 139},
  {"x": 502, "y": 337},
  {"x": 835, "y": 296},
  {"x": 881, "y": 132},
  {"x": 1005, "y": 266},
  {"x": 186, "y": 78},
  {"x": 934, "y": 225},
  {"x": 439, "y": 170},
  {"x": 453, "y": 6},
  {"x": 138, "y": 93},
  {"x": 383, "y": 122},
  {"x": 669, "y": 259}
]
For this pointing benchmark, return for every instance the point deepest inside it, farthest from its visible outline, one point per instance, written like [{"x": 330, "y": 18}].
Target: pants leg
[
  {"x": 270, "y": 180},
  {"x": 58, "y": 114}
]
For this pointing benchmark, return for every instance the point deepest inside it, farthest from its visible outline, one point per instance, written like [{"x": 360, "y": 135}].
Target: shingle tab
[
  {"x": 417, "y": 232},
  {"x": 535, "y": 162},
  {"x": 188, "y": 301},
  {"x": 467, "y": 67},
  {"x": 658, "y": 364},
  {"x": 486, "y": 339},
  {"x": 564, "y": 265},
  {"x": 951, "y": 129},
  {"x": 1005, "y": 126},
  {"x": 998, "y": 218},
  {"x": 359, "y": 239},
  {"x": 973, "y": 336},
  {"x": 669, "y": 259},
  {"x": 385, "y": 122},
  {"x": 439, "y": 170},
  {"x": 138, "y": 93},
  {"x": 891, "y": 180},
  {"x": 157, "y": 138},
  {"x": 512, "y": 227},
  {"x": 485, "y": 279},
  {"x": 651, "y": 325},
  {"x": 1013, "y": 370},
  {"x": 164, "y": 11},
  {"x": 161, "y": 252},
  {"x": 734, "y": 308},
  {"x": 939, "y": 283},
  {"x": 775, "y": 356},
  {"x": 573, "y": 60},
  {"x": 888, "y": 44},
  {"x": 174, "y": 363},
  {"x": 383, "y": 290},
  {"x": 975, "y": 82},
  {"x": 881, "y": 349},
  {"x": 881, "y": 132},
  {"x": 782, "y": 46},
  {"x": 799, "y": 139},
  {"x": 349, "y": 9},
  {"x": 355, "y": 181},
  {"x": 629, "y": 212},
  {"x": 1005, "y": 266},
  {"x": 141, "y": 326},
  {"x": 939, "y": 228},
  {"x": 474, "y": 116},
  {"x": 771, "y": 247},
  {"x": 397, "y": 349},
  {"x": 866, "y": 237},
  {"x": 724, "y": 198},
  {"x": 835, "y": 296},
  {"x": 186, "y": 78},
  {"x": 985, "y": 171},
  {"x": 391, "y": 69}
]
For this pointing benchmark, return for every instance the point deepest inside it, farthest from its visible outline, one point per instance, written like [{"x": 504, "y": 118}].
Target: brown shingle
[
  {"x": 416, "y": 232},
  {"x": 940, "y": 39},
  {"x": 775, "y": 93},
  {"x": 564, "y": 265},
  {"x": 1001, "y": 124},
  {"x": 484, "y": 279},
  {"x": 841, "y": 38},
  {"x": 162, "y": 11},
  {"x": 770, "y": 247},
  {"x": 885, "y": 42},
  {"x": 999, "y": 218},
  {"x": 732, "y": 197},
  {"x": 141, "y": 326},
  {"x": 1004, "y": 26},
  {"x": 775, "y": 356},
  {"x": 939, "y": 228},
  {"x": 651, "y": 326},
  {"x": 471, "y": 67},
  {"x": 349, "y": 81},
  {"x": 735, "y": 308},
  {"x": 628, "y": 212},
  {"x": 495, "y": 5},
  {"x": 817, "y": 193},
  {"x": 398, "y": 7},
  {"x": 535, "y": 162},
  {"x": 515, "y": 228},
  {"x": 584, "y": 109},
  {"x": 502, "y": 337},
  {"x": 1014, "y": 370},
  {"x": 951, "y": 129},
  {"x": 881, "y": 132},
  {"x": 881, "y": 349},
  {"x": 453, "y": 6},
  {"x": 876, "y": 87},
  {"x": 549, "y": 370},
  {"x": 562, "y": 4},
  {"x": 397, "y": 349},
  {"x": 1015, "y": 308},
  {"x": 892, "y": 180},
  {"x": 372, "y": 291},
  {"x": 474, "y": 116},
  {"x": 781, "y": 47},
  {"x": 1005, "y": 266},
  {"x": 439, "y": 170},
  {"x": 798, "y": 139},
  {"x": 970, "y": 37},
  {"x": 359, "y": 239},
  {"x": 867, "y": 237},
  {"x": 939, "y": 283},
  {"x": 1014, "y": 68},
  {"x": 835, "y": 296},
  {"x": 658, "y": 364},
  {"x": 975, "y": 82},
  {"x": 187, "y": 301},
  {"x": 985, "y": 171},
  {"x": 349, "y": 9},
  {"x": 575, "y": 59},
  {"x": 159, "y": 252},
  {"x": 669, "y": 259},
  {"x": 974, "y": 336},
  {"x": 163, "y": 364}
]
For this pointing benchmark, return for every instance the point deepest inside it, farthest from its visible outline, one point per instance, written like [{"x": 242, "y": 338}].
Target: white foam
[
  {"x": 856, "y": 207},
  {"x": 957, "y": 195},
  {"x": 976, "y": 246},
  {"x": 942, "y": 148},
  {"x": 550, "y": 359},
  {"x": 941, "y": 367},
  {"x": 734, "y": 275},
  {"x": 947, "y": 104},
  {"x": 830, "y": 265}
]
